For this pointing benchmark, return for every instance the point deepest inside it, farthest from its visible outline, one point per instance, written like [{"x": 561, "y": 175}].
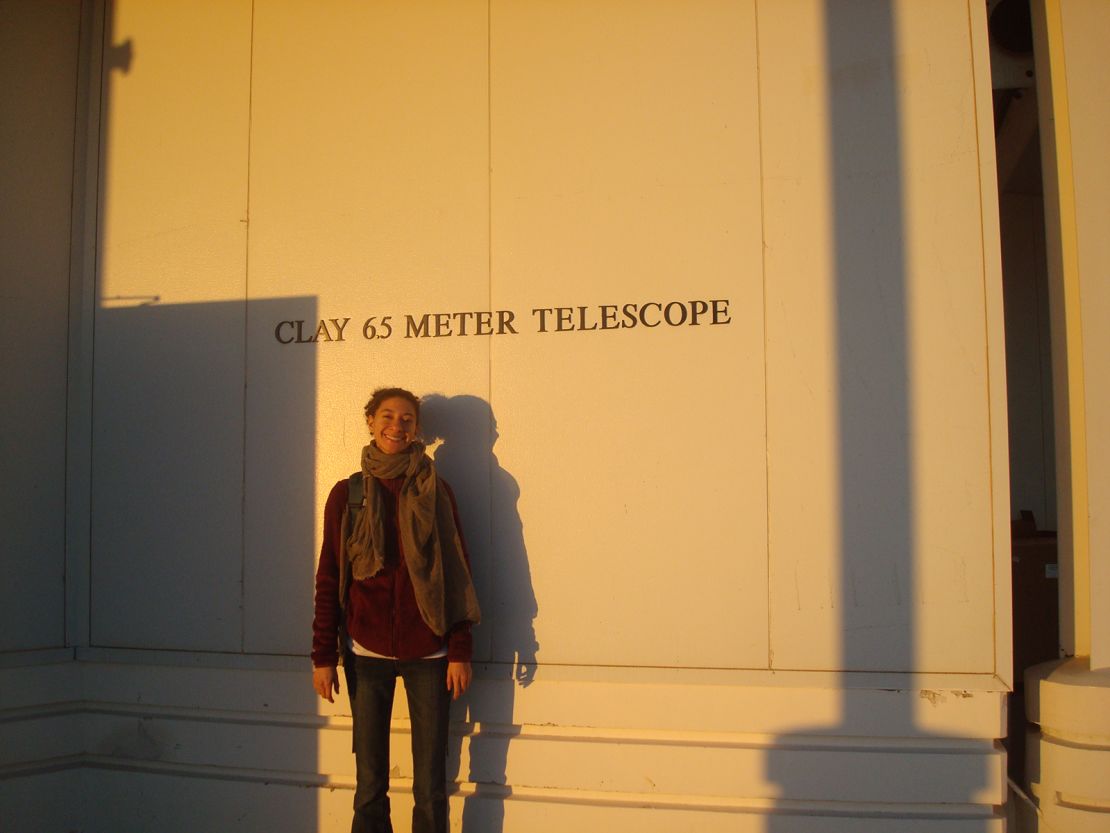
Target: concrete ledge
[
  {"x": 1068, "y": 762},
  {"x": 1065, "y": 696}
]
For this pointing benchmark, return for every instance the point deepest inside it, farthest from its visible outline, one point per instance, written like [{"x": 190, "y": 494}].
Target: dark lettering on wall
[
  {"x": 293, "y": 332},
  {"x": 580, "y": 318}
]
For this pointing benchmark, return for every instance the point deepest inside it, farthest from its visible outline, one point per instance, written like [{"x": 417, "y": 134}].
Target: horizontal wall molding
[
  {"x": 781, "y": 703},
  {"x": 841, "y": 809},
  {"x": 687, "y": 749},
  {"x": 39, "y": 656},
  {"x": 316, "y": 751},
  {"x": 558, "y": 672},
  {"x": 955, "y": 745}
]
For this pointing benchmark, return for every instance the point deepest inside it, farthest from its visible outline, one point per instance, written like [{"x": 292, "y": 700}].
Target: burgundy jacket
[{"x": 382, "y": 614}]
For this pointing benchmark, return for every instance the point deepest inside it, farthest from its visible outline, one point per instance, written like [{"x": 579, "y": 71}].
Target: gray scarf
[{"x": 429, "y": 538}]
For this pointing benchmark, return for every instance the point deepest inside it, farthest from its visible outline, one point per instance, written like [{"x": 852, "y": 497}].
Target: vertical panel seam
[
  {"x": 975, "y": 75},
  {"x": 763, "y": 299},
  {"x": 490, "y": 521},
  {"x": 246, "y": 348},
  {"x": 76, "y": 146},
  {"x": 106, "y": 18}
]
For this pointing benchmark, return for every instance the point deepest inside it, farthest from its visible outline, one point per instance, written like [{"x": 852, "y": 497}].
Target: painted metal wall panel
[
  {"x": 625, "y": 170},
  {"x": 880, "y": 474},
  {"x": 38, "y": 65},
  {"x": 167, "y": 469}
]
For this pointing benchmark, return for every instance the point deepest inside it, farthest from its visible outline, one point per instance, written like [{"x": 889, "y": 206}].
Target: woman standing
[{"x": 394, "y": 597}]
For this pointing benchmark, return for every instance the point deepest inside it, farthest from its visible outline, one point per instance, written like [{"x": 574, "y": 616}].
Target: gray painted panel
[
  {"x": 168, "y": 477},
  {"x": 280, "y": 500},
  {"x": 38, "y": 65}
]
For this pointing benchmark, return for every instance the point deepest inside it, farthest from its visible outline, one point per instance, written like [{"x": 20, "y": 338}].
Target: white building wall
[{"x": 748, "y": 575}]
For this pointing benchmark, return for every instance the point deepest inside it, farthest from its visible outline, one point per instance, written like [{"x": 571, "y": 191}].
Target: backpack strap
[{"x": 356, "y": 500}]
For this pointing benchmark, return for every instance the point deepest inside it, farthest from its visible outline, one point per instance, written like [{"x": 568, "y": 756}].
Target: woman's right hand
[{"x": 325, "y": 680}]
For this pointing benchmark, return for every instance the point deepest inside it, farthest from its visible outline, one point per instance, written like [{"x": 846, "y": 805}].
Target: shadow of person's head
[{"x": 459, "y": 423}]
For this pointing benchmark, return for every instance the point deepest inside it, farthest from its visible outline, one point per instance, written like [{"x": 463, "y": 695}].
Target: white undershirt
[{"x": 358, "y": 650}]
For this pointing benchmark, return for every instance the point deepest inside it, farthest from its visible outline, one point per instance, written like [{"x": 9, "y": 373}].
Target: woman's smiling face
[{"x": 393, "y": 425}]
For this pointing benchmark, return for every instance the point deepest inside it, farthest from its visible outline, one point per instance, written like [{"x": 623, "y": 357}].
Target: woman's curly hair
[{"x": 381, "y": 394}]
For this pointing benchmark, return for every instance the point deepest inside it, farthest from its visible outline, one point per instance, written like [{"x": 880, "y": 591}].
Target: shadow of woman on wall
[{"x": 505, "y": 644}]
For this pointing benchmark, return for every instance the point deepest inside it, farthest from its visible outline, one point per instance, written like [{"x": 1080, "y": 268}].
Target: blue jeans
[{"x": 370, "y": 685}]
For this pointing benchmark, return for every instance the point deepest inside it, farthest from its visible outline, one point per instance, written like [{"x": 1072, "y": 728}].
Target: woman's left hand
[{"x": 459, "y": 675}]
